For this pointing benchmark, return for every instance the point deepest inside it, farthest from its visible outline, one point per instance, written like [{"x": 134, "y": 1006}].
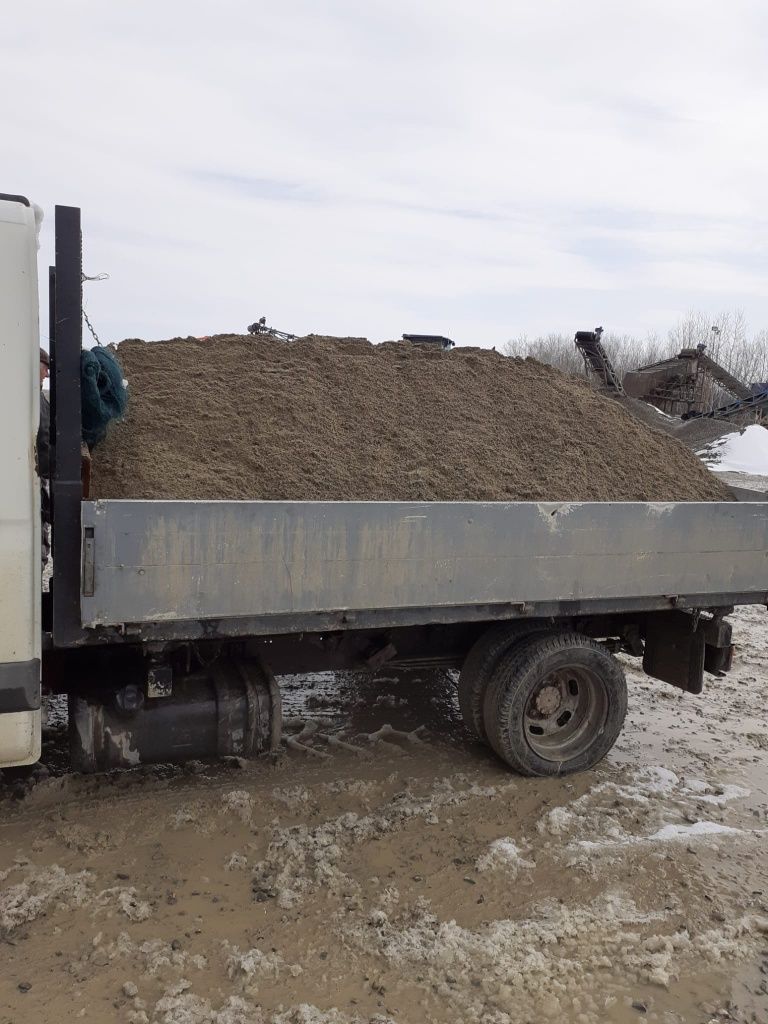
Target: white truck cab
[{"x": 20, "y": 557}]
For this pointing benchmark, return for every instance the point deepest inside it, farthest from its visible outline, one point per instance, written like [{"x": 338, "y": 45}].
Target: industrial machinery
[
  {"x": 261, "y": 328},
  {"x": 680, "y": 385},
  {"x": 752, "y": 409},
  {"x": 596, "y": 360},
  {"x": 167, "y": 621},
  {"x": 430, "y": 339}
]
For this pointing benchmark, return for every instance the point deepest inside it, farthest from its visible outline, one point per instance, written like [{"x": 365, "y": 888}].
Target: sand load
[{"x": 237, "y": 417}]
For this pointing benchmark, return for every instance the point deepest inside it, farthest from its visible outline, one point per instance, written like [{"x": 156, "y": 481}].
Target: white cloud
[{"x": 480, "y": 170}]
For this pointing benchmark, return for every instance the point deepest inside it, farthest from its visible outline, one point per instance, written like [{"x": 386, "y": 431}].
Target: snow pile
[
  {"x": 134, "y": 908},
  {"x": 250, "y": 965},
  {"x": 703, "y": 793},
  {"x": 150, "y": 957},
  {"x": 49, "y": 886},
  {"x": 302, "y": 859},
  {"x": 294, "y": 797},
  {"x": 240, "y": 803},
  {"x": 648, "y": 805},
  {"x": 505, "y": 854},
  {"x": 180, "y": 1006},
  {"x": 698, "y": 828},
  {"x": 559, "y": 963},
  {"x": 305, "y": 1013},
  {"x": 673, "y": 833},
  {"x": 743, "y": 451}
]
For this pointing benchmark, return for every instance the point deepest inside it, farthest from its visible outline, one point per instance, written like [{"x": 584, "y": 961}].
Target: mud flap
[{"x": 679, "y": 646}]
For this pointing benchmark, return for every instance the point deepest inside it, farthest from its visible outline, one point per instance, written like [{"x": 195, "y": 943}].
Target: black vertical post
[
  {"x": 51, "y": 311},
  {"x": 66, "y": 429}
]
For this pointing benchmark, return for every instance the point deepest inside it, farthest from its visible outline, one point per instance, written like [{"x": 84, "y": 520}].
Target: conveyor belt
[
  {"x": 596, "y": 359},
  {"x": 755, "y": 403}
]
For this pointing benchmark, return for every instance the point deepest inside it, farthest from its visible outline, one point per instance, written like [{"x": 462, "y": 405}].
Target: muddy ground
[{"x": 416, "y": 880}]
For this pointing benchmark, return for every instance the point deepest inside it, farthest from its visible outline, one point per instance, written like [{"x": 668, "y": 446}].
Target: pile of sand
[
  {"x": 235, "y": 417},
  {"x": 696, "y": 434}
]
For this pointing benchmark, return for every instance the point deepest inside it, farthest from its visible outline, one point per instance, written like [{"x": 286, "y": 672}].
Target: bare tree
[
  {"x": 624, "y": 351},
  {"x": 553, "y": 349}
]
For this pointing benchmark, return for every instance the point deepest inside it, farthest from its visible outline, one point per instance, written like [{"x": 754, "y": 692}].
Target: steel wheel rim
[{"x": 564, "y": 713}]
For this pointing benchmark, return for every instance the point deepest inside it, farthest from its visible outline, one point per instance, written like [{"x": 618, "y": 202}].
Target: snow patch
[
  {"x": 305, "y": 1013},
  {"x": 240, "y": 803},
  {"x": 41, "y": 889},
  {"x": 743, "y": 451},
  {"x": 299, "y": 860},
  {"x": 236, "y": 862},
  {"x": 503, "y": 853},
  {"x": 648, "y": 805},
  {"x": 559, "y": 963},
  {"x": 180, "y": 1006}
]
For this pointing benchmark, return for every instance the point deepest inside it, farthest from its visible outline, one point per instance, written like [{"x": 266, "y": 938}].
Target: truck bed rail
[{"x": 250, "y": 568}]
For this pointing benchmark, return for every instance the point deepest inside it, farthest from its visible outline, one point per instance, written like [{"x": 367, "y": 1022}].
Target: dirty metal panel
[{"x": 158, "y": 561}]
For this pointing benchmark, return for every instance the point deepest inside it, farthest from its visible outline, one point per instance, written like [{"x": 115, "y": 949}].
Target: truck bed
[{"x": 207, "y": 568}]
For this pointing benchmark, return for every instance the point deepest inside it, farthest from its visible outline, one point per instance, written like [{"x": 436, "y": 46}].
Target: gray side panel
[
  {"x": 165, "y": 561},
  {"x": 19, "y": 686}
]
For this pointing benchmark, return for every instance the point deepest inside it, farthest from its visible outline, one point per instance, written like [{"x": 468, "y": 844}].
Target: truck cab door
[{"x": 20, "y": 530}]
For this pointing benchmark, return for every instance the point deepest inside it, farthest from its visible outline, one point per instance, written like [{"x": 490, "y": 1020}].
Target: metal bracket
[
  {"x": 380, "y": 656},
  {"x": 89, "y": 561}
]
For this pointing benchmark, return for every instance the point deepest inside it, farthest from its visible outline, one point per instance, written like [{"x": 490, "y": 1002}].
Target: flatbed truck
[{"x": 167, "y": 622}]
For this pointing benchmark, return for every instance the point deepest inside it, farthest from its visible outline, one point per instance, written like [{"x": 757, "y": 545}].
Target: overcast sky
[{"x": 479, "y": 169}]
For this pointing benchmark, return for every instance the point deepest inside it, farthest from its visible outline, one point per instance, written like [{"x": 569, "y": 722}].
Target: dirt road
[{"x": 415, "y": 880}]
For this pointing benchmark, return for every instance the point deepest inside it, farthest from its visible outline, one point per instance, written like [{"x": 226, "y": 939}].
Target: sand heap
[{"x": 237, "y": 417}]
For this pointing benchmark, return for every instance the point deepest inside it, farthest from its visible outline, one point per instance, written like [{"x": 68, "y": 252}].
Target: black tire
[
  {"x": 555, "y": 705},
  {"x": 478, "y": 667}
]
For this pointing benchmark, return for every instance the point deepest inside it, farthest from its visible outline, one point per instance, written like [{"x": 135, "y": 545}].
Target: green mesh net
[{"x": 103, "y": 393}]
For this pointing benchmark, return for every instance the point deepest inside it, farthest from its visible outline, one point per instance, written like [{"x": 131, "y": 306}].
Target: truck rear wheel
[
  {"x": 478, "y": 668},
  {"x": 555, "y": 705}
]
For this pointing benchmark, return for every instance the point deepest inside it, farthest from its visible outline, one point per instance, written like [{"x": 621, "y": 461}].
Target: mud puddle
[{"x": 405, "y": 877}]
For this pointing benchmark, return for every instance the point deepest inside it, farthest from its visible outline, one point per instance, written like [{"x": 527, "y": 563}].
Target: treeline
[{"x": 726, "y": 337}]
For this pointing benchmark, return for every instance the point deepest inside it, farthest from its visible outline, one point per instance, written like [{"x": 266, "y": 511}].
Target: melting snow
[
  {"x": 743, "y": 451},
  {"x": 671, "y": 833},
  {"x": 503, "y": 853}
]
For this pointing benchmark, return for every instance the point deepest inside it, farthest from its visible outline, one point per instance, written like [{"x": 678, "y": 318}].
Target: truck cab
[{"x": 20, "y": 528}]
